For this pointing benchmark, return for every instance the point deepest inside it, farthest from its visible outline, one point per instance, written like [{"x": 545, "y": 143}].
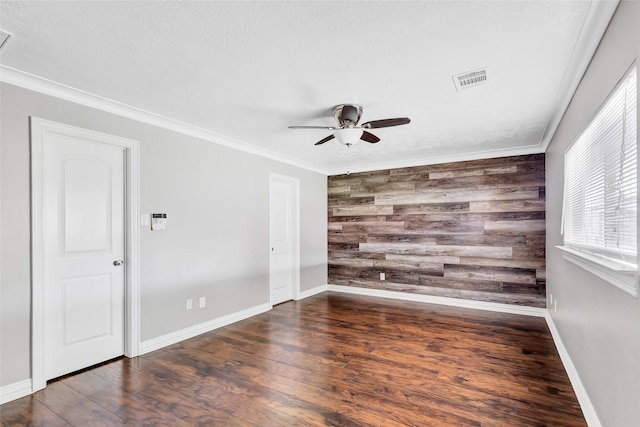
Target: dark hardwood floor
[{"x": 332, "y": 359}]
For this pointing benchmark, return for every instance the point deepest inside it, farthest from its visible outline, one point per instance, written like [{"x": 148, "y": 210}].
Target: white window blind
[{"x": 600, "y": 212}]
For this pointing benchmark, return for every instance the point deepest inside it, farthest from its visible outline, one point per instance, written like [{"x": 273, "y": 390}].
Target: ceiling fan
[{"x": 348, "y": 132}]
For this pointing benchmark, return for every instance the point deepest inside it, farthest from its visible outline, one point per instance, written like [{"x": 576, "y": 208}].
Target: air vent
[
  {"x": 4, "y": 36},
  {"x": 471, "y": 79}
]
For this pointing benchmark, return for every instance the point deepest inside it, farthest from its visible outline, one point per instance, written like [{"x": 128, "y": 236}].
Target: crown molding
[
  {"x": 451, "y": 158},
  {"x": 48, "y": 87},
  {"x": 593, "y": 28}
]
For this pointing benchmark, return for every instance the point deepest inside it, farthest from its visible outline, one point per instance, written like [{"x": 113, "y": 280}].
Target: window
[{"x": 600, "y": 194}]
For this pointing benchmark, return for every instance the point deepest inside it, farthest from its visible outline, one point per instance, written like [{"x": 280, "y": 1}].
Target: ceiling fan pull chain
[{"x": 348, "y": 159}]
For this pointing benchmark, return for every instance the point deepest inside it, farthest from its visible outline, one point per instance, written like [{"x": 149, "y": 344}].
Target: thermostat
[{"x": 158, "y": 221}]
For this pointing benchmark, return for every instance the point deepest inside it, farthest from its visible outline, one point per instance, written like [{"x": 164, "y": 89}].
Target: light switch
[{"x": 144, "y": 220}]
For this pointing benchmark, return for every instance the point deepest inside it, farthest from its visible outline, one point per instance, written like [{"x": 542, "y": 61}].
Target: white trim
[
  {"x": 32, "y": 82},
  {"x": 296, "y": 230},
  {"x": 296, "y": 238},
  {"x": 15, "y": 391},
  {"x": 48, "y": 87},
  {"x": 311, "y": 292},
  {"x": 132, "y": 238},
  {"x": 37, "y": 261},
  {"x": 622, "y": 277},
  {"x": 432, "y": 299},
  {"x": 588, "y": 410},
  {"x": 192, "y": 331},
  {"x": 132, "y": 271},
  {"x": 595, "y": 24},
  {"x": 593, "y": 28},
  {"x": 450, "y": 158}
]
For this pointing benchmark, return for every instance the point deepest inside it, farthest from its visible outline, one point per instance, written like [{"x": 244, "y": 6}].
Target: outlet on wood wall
[{"x": 472, "y": 230}]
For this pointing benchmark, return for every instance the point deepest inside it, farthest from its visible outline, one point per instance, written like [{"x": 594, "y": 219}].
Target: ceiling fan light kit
[
  {"x": 348, "y": 132},
  {"x": 348, "y": 136}
]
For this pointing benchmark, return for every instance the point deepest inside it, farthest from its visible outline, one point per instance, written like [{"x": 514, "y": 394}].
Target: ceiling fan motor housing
[{"x": 347, "y": 115}]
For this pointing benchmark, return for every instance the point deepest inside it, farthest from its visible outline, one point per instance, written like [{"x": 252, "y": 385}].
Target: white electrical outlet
[
  {"x": 383, "y": 276},
  {"x": 203, "y": 302},
  {"x": 189, "y": 304}
]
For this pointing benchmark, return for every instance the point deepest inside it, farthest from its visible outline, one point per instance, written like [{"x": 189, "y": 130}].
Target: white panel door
[
  {"x": 282, "y": 235},
  {"x": 84, "y": 273}
]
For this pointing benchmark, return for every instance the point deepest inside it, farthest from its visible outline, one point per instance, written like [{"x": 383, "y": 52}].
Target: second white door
[
  {"x": 84, "y": 271},
  {"x": 283, "y": 235}
]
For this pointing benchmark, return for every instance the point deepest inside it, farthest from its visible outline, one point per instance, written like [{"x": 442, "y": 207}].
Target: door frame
[
  {"x": 40, "y": 128},
  {"x": 295, "y": 225}
]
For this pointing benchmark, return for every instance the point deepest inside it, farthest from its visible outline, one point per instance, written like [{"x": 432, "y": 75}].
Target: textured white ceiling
[{"x": 247, "y": 70}]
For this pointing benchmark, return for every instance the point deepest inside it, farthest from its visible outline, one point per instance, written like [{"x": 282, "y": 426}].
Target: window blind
[{"x": 601, "y": 180}]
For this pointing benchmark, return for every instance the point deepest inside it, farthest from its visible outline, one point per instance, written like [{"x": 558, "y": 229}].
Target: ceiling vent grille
[{"x": 471, "y": 79}]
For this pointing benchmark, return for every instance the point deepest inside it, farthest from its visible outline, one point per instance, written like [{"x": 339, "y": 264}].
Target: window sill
[{"x": 618, "y": 275}]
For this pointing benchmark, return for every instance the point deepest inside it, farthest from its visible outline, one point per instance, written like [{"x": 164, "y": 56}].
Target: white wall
[
  {"x": 216, "y": 244},
  {"x": 599, "y": 324}
]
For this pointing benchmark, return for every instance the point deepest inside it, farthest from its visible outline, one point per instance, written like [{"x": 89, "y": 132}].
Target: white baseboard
[
  {"x": 15, "y": 391},
  {"x": 311, "y": 292},
  {"x": 190, "y": 332},
  {"x": 588, "y": 410},
  {"x": 24, "y": 388},
  {"x": 431, "y": 299},
  {"x": 183, "y": 334}
]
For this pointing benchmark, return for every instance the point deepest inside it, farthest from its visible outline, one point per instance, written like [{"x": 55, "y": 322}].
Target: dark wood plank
[
  {"x": 29, "y": 411},
  {"x": 76, "y": 408},
  {"x": 490, "y": 212}
]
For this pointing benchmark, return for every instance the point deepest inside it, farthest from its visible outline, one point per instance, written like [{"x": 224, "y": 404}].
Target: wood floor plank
[
  {"x": 332, "y": 359},
  {"x": 76, "y": 408},
  {"x": 137, "y": 409},
  {"x": 29, "y": 411}
]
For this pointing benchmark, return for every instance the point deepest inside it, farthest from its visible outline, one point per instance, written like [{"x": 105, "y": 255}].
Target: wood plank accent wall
[{"x": 473, "y": 230}]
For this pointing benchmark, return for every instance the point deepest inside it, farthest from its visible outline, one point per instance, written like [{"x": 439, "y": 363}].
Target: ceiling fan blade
[
  {"x": 385, "y": 123},
  {"x": 369, "y": 137},
  {"x": 313, "y": 127},
  {"x": 322, "y": 141}
]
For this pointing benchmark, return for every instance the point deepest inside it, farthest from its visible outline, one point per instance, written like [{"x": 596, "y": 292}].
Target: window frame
[{"x": 621, "y": 274}]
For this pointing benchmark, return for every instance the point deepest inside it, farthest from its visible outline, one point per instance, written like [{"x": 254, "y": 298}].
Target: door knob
[{"x": 118, "y": 262}]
